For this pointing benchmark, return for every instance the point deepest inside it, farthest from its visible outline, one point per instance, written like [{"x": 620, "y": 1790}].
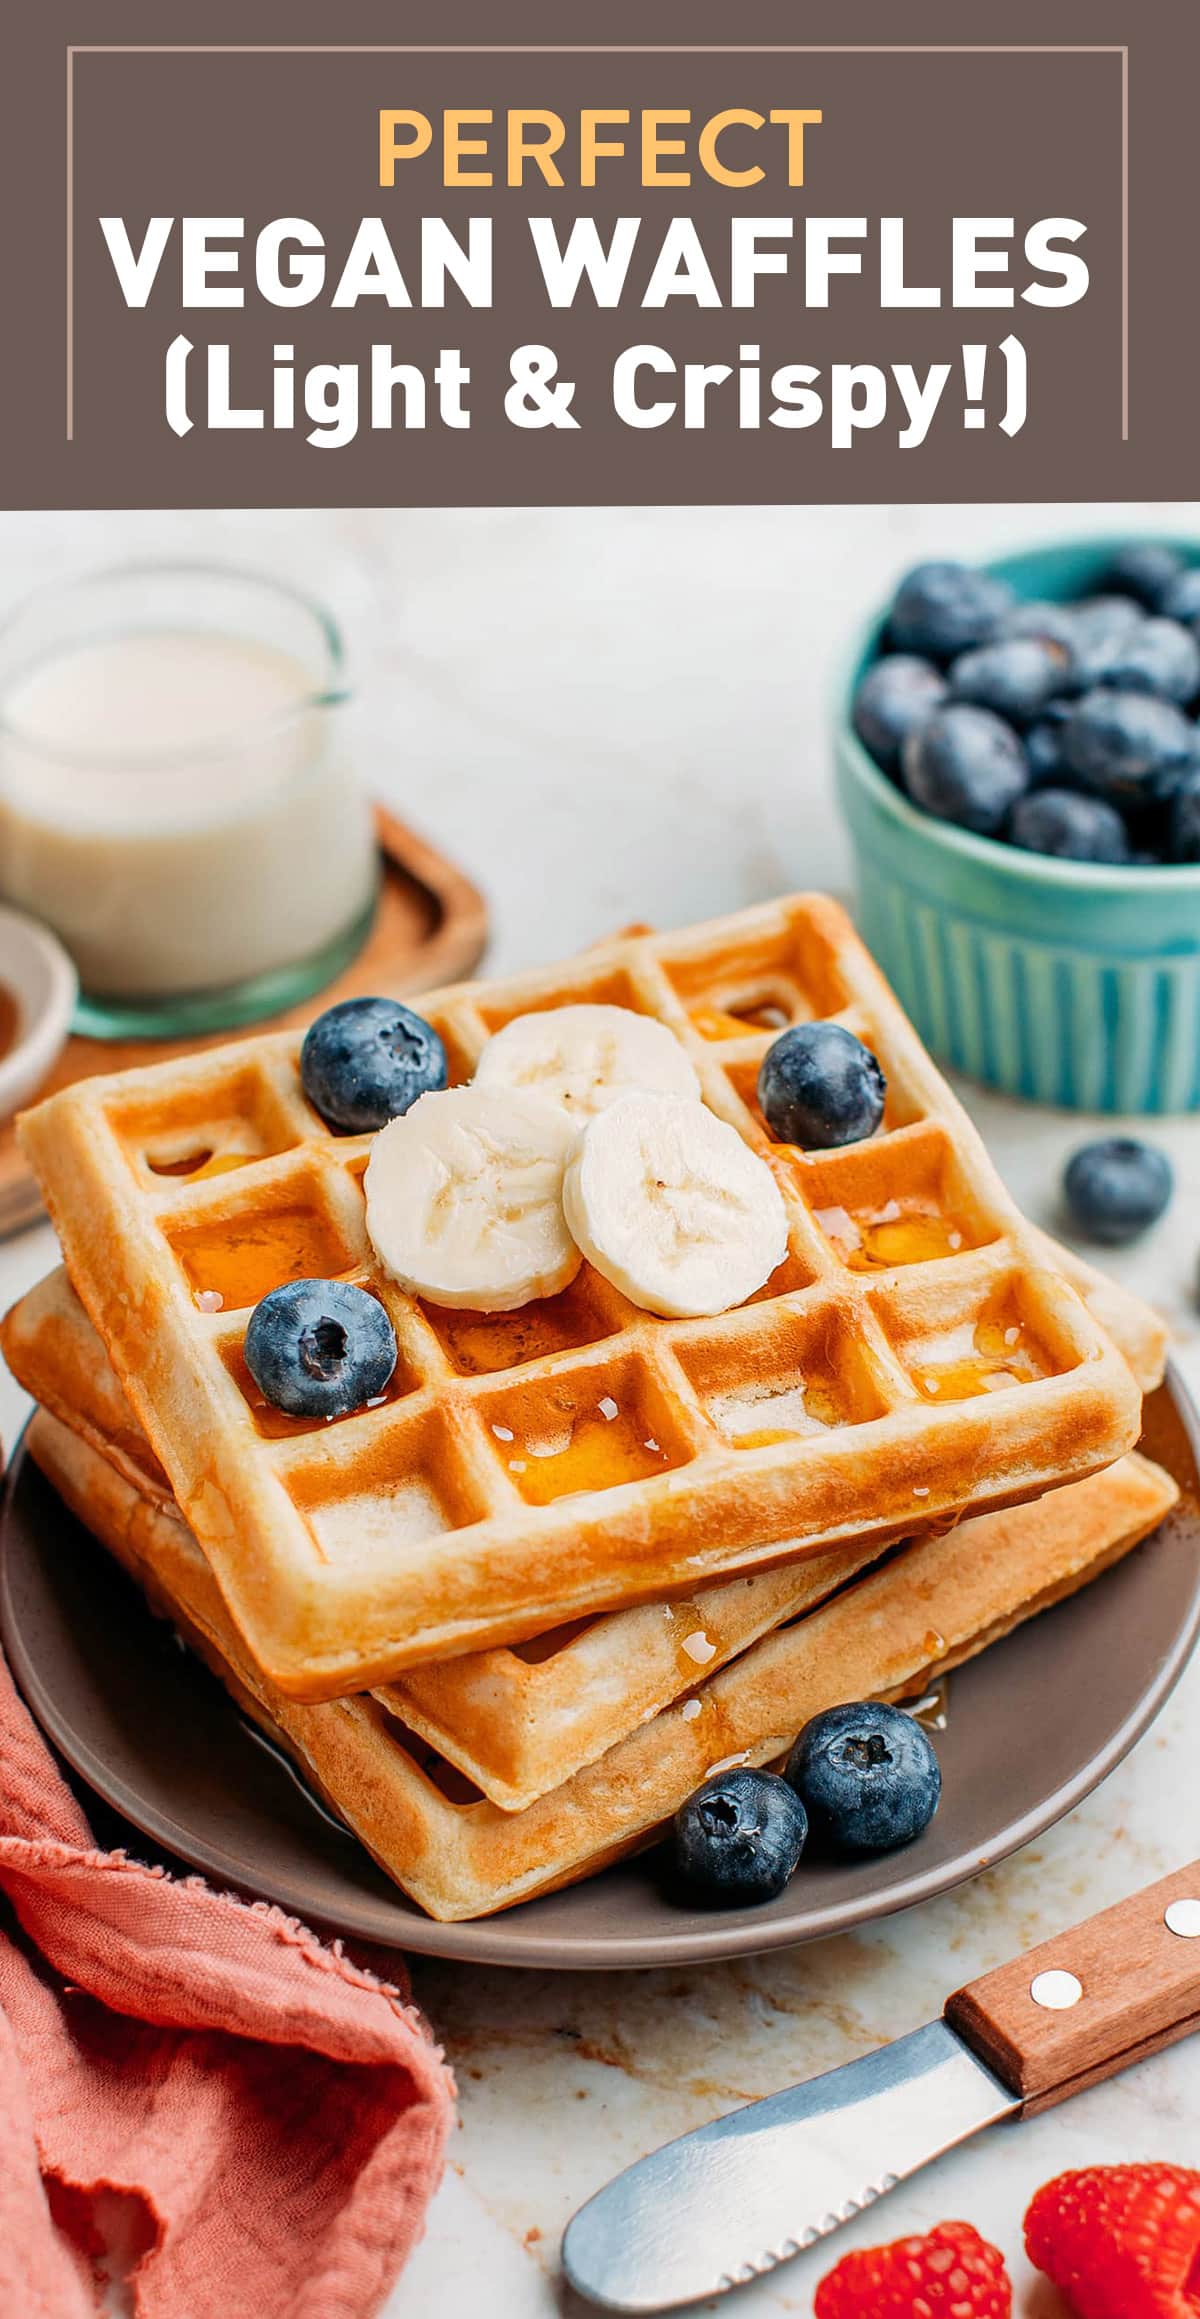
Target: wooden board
[{"x": 431, "y": 927}]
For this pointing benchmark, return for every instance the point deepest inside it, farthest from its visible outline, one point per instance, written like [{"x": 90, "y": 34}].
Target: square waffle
[
  {"x": 517, "y": 1721},
  {"x": 452, "y": 1850},
  {"x": 912, "y": 1358}
]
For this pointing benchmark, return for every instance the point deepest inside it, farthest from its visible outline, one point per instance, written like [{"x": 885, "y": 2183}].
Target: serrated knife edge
[{"x": 660, "y": 2236}]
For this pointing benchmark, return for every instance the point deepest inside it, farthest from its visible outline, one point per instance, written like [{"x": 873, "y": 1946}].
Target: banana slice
[
  {"x": 464, "y": 1198},
  {"x": 672, "y": 1207},
  {"x": 584, "y": 1057}
]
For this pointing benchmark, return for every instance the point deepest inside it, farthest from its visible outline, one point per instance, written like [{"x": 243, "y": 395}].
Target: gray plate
[{"x": 1033, "y": 1726}]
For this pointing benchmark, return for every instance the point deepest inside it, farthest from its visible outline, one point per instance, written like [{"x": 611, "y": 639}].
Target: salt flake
[{"x": 838, "y": 1224}]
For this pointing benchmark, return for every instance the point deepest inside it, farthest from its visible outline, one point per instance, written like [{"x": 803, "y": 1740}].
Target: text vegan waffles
[{"x": 914, "y": 1357}]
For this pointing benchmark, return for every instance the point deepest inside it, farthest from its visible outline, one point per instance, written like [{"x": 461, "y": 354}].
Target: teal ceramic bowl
[{"x": 1066, "y": 982}]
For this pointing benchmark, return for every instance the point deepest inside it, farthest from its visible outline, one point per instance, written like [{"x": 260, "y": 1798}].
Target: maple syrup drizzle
[
  {"x": 197, "y": 1165},
  {"x": 716, "y": 1022},
  {"x": 893, "y": 1236},
  {"x": 812, "y": 1405},
  {"x": 241, "y": 1258},
  {"x": 594, "y": 1450},
  {"x": 1002, "y": 1356},
  {"x": 481, "y": 1343}
]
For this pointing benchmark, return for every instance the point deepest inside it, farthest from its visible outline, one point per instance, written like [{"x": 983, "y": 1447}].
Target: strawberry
[
  {"x": 951, "y": 2273},
  {"x": 1120, "y": 2242}
]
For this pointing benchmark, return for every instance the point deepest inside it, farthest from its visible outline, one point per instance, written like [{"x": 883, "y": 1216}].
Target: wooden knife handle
[{"x": 1136, "y": 1968}]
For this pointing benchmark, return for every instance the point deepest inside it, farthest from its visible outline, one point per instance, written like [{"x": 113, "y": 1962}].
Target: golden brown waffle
[
  {"x": 455, "y": 1853},
  {"x": 911, "y": 1359},
  {"x": 516, "y": 1721},
  {"x": 1137, "y": 1330}
]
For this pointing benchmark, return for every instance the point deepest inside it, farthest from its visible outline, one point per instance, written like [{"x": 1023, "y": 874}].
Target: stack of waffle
[{"x": 509, "y": 1615}]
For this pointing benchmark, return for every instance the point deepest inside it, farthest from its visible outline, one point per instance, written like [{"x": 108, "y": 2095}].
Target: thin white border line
[
  {"x": 572, "y": 48},
  {"x": 591, "y": 48},
  {"x": 1125, "y": 245},
  {"x": 70, "y": 270}
]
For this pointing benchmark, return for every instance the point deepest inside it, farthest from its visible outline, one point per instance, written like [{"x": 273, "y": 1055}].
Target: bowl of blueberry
[{"x": 1018, "y": 760}]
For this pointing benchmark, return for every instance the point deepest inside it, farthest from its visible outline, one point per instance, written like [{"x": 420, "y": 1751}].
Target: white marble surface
[{"x": 610, "y": 714}]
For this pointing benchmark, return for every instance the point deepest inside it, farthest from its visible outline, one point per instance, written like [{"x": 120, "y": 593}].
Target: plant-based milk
[{"x": 176, "y": 805}]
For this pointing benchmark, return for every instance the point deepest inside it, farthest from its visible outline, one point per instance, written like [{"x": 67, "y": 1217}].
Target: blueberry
[
  {"x": 867, "y": 1777},
  {"x": 1043, "y": 747},
  {"x": 739, "y": 1838},
  {"x": 1102, "y": 621},
  {"x": 1161, "y": 656},
  {"x": 1075, "y": 828},
  {"x": 819, "y": 1087},
  {"x": 1128, "y": 744},
  {"x": 895, "y": 696},
  {"x": 1015, "y": 677},
  {"x": 319, "y": 1348},
  {"x": 943, "y": 609},
  {"x": 1145, "y": 569},
  {"x": 1116, "y": 1188},
  {"x": 367, "y": 1060},
  {"x": 965, "y": 765},
  {"x": 1048, "y": 623},
  {"x": 1184, "y": 837},
  {"x": 1182, "y": 599}
]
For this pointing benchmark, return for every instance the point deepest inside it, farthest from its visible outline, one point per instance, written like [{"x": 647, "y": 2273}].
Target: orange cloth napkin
[{"x": 279, "y": 2112}]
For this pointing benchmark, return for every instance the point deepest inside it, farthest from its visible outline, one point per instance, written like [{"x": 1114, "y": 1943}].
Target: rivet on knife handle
[{"x": 1137, "y": 1971}]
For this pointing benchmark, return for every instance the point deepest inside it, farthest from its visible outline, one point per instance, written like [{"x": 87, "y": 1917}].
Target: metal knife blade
[{"x": 722, "y": 2205}]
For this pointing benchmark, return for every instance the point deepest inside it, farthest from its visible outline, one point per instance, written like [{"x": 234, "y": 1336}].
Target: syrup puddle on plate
[{"x": 932, "y": 1709}]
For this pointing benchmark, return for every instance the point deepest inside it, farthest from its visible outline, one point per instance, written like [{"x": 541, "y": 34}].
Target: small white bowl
[{"x": 35, "y": 968}]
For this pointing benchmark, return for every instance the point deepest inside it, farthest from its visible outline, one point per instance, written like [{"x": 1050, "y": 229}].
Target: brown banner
[{"x": 406, "y": 256}]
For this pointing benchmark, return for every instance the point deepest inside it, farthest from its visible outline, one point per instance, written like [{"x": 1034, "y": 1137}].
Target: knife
[{"x": 727, "y": 2203}]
